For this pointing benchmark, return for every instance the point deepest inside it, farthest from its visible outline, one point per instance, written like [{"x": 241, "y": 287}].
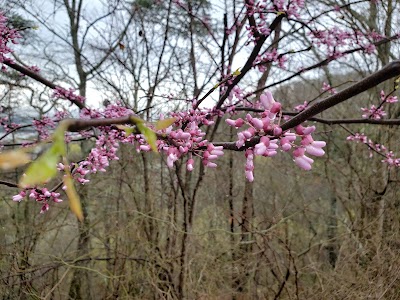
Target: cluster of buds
[
  {"x": 271, "y": 138},
  {"x": 7, "y": 35},
  {"x": 389, "y": 156},
  {"x": 61, "y": 93},
  {"x": 42, "y": 195},
  {"x": 377, "y": 112}
]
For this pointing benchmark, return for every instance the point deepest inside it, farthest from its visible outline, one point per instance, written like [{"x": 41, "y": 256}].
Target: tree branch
[
  {"x": 38, "y": 78},
  {"x": 389, "y": 71}
]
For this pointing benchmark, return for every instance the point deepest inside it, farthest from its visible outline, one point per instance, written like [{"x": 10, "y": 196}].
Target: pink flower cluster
[
  {"x": 337, "y": 40},
  {"x": 390, "y": 157},
  {"x": 271, "y": 137},
  {"x": 291, "y": 8},
  {"x": 327, "y": 88},
  {"x": 358, "y": 137},
  {"x": 301, "y": 107},
  {"x": 176, "y": 144},
  {"x": 61, "y": 93},
  {"x": 190, "y": 140},
  {"x": 42, "y": 195},
  {"x": 7, "y": 35},
  {"x": 262, "y": 9},
  {"x": 377, "y": 112},
  {"x": 262, "y": 60},
  {"x": 388, "y": 99},
  {"x": 43, "y": 126},
  {"x": 34, "y": 69},
  {"x": 7, "y": 125}
]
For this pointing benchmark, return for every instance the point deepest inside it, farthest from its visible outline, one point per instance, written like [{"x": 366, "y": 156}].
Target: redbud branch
[
  {"x": 249, "y": 63},
  {"x": 212, "y": 90},
  {"x": 384, "y": 100},
  {"x": 75, "y": 125},
  {"x": 38, "y": 78},
  {"x": 319, "y": 64},
  {"x": 356, "y": 121},
  {"x": 283, "y": 54},
  {"x": 367, "y": 144},
  {"x": 10, "y": 184},
  {"x": 330, "y": 121},
  {"x": 251, "y": 19},
  {"x": 389, "y": 71},
  {"x": 13, "y": 130}
]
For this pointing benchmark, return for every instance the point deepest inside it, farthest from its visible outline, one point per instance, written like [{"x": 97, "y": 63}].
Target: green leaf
[
  {"x": 162, "y": 124},
  {"x": 59, "y": 140},
  {"x": 41, "y": 170},
  {"x": 149, "y": 135},
  {"x": 136, "y": 120},
  {"x": 236, "y": 73},
  {"x": 128, "y": 130},
  {"x": 45, "y": 167}
]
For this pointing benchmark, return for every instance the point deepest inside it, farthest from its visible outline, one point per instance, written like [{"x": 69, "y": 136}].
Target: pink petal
[
  {"x": 314, "y": 150},
  {"x": 302, "y": 163}
]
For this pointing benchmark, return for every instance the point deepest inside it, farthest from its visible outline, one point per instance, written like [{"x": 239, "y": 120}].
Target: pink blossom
[
  {"x": 327, "y": 88},
  {"x": 61, "y": 93},
  {"x": 315, "y": 148},
  {"x": 267, "y": 100},
  {"x": 391, "y": 99},
  {"x": 301, "y": 107},
  {"x": 249, "y": 167},
  {"x": 171, "y": 159},
  {"x": 301, "y": 160},
  {"x": 189, "y": 164},
  {"x": 19, "y": 197},
  {"x": 358, "y": 137},
  {"x": 7, "y": 35},
  {"x": 45, "y": 208},
  {"x": 373, "y": 112},
  {"x": 235, "y": 123}
]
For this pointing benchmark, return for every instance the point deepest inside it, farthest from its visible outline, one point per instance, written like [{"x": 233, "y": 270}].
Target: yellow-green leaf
[
  {"x": 236, "y": 73},
  {"x": 162, "y": 124},
  {"x": 149, "y": 135},
  {"x": 45, "y": 167},
  {"x": 13, "y": 159},
  {"x": 41, "y": 170},
  {"x": 128, "y": 130},
  {"x": 73, "y": 197},
  {"x": 136, "y": 120},
  {"x": 59, "y": 140}
]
